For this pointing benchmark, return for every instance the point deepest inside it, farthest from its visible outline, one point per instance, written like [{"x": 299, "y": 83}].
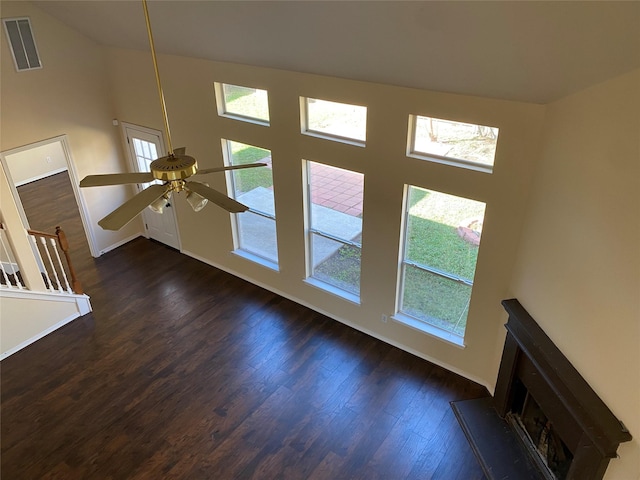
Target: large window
[
  {"x": 335, "y": 228},
  {"x": 441, "y": 240},
  {"x": 255, "y": 229},
  {"x": 455, "y": 143}
]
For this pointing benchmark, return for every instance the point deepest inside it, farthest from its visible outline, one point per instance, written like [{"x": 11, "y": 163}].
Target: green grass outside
[{"x": 249, "y": 178}]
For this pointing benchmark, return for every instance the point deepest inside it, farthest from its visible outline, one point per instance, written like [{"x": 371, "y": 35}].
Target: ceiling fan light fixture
[
  {"x": 159, "y": 205},
  {"x": 197, "y": 202}
]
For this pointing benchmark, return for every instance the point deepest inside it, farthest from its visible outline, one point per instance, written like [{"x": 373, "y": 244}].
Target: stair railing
[
  {"x": 53, "y": 269},
  {"x": 10, "y": 277}
]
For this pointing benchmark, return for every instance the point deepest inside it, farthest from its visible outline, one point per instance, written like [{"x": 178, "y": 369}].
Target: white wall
[
  {"x": 578, "y": 272},
  {"x": 36, "y": 163},
  {"x": 69, "y": 95}
]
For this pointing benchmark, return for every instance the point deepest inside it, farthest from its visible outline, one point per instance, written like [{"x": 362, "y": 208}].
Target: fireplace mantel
[{"x": 533, "y": 365}]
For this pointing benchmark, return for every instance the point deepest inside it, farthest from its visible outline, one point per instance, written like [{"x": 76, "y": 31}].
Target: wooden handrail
[{"x": 38, "y": 233}]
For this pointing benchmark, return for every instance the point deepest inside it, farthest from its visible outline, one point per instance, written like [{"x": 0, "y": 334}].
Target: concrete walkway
[{"x": 253, "y": 227}]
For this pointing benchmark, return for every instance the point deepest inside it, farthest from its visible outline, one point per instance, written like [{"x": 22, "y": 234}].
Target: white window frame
[
  {"x": 222, "y": 105},
  {"x": 305, "y": 130},
  {"x": 432, "y": 157},
  {"x": 310, "y": 231},
  {"x": 237, "y": 249}
]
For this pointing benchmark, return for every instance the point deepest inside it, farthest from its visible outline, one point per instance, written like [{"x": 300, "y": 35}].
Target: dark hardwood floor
[{"x": 185, "y": 372}]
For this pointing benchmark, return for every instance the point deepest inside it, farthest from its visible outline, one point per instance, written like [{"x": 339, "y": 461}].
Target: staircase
[{"x": 39, "y": 292}]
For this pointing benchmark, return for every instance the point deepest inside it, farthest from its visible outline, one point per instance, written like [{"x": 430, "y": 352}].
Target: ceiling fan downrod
[{"x": 165, "y": 117}]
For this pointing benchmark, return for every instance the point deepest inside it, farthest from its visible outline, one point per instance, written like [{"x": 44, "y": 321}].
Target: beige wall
[
  {"x": 24, "y": 321},
  {"x": 579, "y": 261},
  {"x": 36, "y": 163},
  {"x": 189, "y": 94},
  {"x": 69, "y": 95}
]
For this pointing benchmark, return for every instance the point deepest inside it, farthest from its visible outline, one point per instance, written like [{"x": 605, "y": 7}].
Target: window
[
  {"x": 454, "y": 143},
  {"x": 335, "y": 228},
  {"x": 23, "y": 45},
  {"x": 243, "y": 103},
  {"x": 441, "y": 240},
  {"x": 336, "y": 121},
  {"x": 255, "y": 229}
]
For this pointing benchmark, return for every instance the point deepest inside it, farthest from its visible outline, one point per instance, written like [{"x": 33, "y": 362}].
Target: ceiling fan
[{"x": 172, "y": 170}]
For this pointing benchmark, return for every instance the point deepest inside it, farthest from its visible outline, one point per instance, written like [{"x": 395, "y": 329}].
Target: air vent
[{"x": 23, "y": 45}]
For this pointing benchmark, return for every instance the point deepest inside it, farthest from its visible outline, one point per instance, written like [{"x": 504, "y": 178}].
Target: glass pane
[
  {"x": 257, "y": 235},
  {"x": 252, "y": 186},
  {"x": 443, "y": 231},
  {"x": 337, "y": 119},
  {"x": 443, "y": 236},
  {"x": 457, "y": 140},
  {"x": 336, "y": 200},
  {"x": 435, "y": 300},
  {"x": 336, "y": 263},
  {"x": 246, "y": 102}
]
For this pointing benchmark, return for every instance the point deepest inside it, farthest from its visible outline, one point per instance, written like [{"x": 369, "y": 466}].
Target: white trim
[
  {"x": 371, "y": 333},
  {"x": 73, "y": 177},
  {"x": 121, "y": 242}
]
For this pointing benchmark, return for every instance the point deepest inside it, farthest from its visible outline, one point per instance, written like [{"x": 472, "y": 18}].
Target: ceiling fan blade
[
  {"x": 231, "y": 167},
  {"x": 220, "y": 199},
  {"x": 116, "y": 179},
  {"x": 180, "y": 151},
  {"x": 128, "y": 210}
]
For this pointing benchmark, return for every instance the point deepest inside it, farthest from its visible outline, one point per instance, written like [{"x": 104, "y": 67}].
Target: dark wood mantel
[{"x": 532, "y": 363}]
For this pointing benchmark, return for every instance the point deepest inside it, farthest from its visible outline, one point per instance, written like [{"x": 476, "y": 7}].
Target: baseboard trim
[
  {"x": 40, "y": 335},
  {"x": 120, "y": 243}
]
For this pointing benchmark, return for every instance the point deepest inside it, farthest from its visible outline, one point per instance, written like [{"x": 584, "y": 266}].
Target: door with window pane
[
  {"x": 144, "y": 146},
  {"x": 335, "y": 227}
]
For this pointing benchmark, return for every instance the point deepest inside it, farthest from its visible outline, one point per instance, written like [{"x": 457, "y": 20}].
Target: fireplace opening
[{"x": 540, "y": 438}]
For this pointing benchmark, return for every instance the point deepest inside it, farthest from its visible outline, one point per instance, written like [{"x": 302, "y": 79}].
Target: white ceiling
[{"x": 517, "y": 50}]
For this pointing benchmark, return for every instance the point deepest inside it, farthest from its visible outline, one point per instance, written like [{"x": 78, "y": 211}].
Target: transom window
[
  {"x": 335, "y": 228},
  {"x": 255, "y": 229},
  {"x": 243, "y": 103},
  {"x": 456, "y": 143},
  {"x": 441, "y": 240},
  {"x": 333, "y": 120}
]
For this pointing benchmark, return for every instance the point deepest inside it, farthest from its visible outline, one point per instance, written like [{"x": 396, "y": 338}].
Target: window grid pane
[
  {"x": 336, "y": 197},
  {"x": 455, "y": 140},
  {"x": 336, "y": 119},
  {"x": 253, "y": 187},
  {"x": 245, "y": 102},
  {"x": 442, "y": 236}
]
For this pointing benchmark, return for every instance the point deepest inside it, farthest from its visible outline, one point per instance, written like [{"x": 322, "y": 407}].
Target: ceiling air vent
[{"x": 23, "y": 46}]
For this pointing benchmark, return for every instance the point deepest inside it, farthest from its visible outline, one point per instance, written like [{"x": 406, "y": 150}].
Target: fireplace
[{"x": 544, "y": 422}]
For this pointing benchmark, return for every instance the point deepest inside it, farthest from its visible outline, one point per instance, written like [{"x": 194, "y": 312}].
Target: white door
[{"x": 144, "y": 146}]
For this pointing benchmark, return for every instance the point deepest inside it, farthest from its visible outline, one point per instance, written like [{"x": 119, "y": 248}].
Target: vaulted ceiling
[{"x": 528, "y": 51}]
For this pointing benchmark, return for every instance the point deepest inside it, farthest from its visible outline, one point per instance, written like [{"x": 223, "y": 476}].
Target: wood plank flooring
[{"x": 185, "y": 372}]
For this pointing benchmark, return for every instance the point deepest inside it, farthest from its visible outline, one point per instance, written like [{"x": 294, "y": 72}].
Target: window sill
[
  {"x": 257, "y": 259},
  {"x": 452, "y": 162},
  {"x": 430, "y": 330},
  {"x": 326, "y": 287}
]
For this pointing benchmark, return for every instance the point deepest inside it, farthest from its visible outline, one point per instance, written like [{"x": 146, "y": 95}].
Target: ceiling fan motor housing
[{"x": 173, "y": 167}]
